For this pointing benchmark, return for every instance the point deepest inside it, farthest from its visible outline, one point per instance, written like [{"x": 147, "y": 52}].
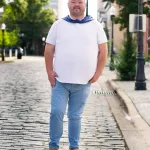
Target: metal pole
[
  {"x": 87, "y": 6},
  {"x": 140, "y": 83},
  {"x": 112, "y": 45},
  {"x": 43, "y": 47},
  {"x": 3, "y": 58},
  {"x": 148, "y": 41}
]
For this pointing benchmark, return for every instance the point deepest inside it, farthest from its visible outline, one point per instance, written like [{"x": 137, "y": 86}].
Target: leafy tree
[
  {"x": 12, "y": 11},
  {"x": 125, "y": 61},
  {"x": 13, "y": 38},
  {"x": 36, "y": 20},
  {"x": 5, "y": 38},
  {"x": 2, "y": 3},
  {"x": 30, "y": 18},
  {"x": 10, "y": 38}
]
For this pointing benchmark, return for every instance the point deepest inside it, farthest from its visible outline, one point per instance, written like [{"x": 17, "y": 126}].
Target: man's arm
[
  {"x": 102, "y": 57},
  {"x": 49, "y": 54}
]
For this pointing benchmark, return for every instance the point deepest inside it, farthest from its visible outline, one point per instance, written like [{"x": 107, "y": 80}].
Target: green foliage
[
  {"x": 36, "y": 20},
  {"x": 2, "y": 3},
  {"x": 108, "y": 44},
  {"x": 125, "y": 61},
  {"x": 10, "y": 38},
  {"x": 5, "y": 38},
  {"x": 147, "y": 58},
  {"x": 13, "y": 37},
  {"x": 30, "y": 17}
]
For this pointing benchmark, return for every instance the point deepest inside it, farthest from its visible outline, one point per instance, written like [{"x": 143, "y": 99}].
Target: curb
[
  {"x": 128, "y": 104},
  {"x": 140, "y": 128}
]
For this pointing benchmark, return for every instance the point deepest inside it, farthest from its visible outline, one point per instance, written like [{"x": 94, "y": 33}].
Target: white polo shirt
[{"x": 76, "y": 49}]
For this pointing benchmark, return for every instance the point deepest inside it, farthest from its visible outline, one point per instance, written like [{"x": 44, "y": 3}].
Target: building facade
[
  {"x": 104, "y": 16},
  {"x": 146, "y": 36}
]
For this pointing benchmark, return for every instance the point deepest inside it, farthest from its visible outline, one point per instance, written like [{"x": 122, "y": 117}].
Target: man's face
[{"x": 77, "y": 7}]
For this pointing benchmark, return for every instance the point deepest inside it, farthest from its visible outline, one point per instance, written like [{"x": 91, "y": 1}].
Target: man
[{"x": 80, "y": 48}]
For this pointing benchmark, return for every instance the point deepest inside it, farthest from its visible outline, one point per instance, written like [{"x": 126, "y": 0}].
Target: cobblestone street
[{"x": 24, "y": 111}]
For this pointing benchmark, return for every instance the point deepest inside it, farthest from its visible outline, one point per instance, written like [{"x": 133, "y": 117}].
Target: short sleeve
[
  {"x": 101, "y": 37},
  {"x": 52, "y": 34}
]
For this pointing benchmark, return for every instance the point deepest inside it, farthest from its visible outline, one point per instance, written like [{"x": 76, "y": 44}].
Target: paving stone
[{"x": 25, "y": 105}]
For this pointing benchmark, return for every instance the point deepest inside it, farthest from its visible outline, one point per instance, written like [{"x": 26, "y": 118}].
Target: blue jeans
[{"x": 75, "y": 96}]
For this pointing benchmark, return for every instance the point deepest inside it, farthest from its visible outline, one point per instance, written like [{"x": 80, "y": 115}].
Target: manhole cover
[{"x": 99, "y": 92}]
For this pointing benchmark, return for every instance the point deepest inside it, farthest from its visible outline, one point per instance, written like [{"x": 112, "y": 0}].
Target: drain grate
[{"x": 98, "y": 92}]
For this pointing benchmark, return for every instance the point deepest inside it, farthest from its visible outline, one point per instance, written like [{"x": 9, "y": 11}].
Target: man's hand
[
  {"x": 49, "y": 55},
  {"x": 51, "y": 76},
  {"x": 94, "y": 78},
  {"x": 102, "y": 56}
]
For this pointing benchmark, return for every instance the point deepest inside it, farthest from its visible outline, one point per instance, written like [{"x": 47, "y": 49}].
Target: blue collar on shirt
[{"x": 84, "y": 20}]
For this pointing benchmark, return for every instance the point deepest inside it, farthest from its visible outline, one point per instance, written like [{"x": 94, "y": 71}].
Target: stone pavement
[
  {"x": 141, "y": 99},
  {"x": 24, "y": 111},
  {"x": 137, "y": 103}
]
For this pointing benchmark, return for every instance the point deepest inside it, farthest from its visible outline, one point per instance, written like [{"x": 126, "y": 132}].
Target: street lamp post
[
  {"x": 140, "y": 83},
  {"x": 87, "y": 7},
  {"x": 43, "y": 43},
  {"x": 148, "y": 41},
  {"x": 3, "y": 26},
  {"x": 112, "y": 16}
]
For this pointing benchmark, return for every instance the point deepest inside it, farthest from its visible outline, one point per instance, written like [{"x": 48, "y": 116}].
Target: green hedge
[
  {"x": 125, "y": 60},
  {"x": 147, "y": 58}
]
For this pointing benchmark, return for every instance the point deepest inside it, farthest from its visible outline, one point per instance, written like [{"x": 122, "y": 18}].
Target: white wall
[
  {"x": 62, "y": 8},
  {"x": 1, "y": 10},
  {"x": 92, "y": 9}
]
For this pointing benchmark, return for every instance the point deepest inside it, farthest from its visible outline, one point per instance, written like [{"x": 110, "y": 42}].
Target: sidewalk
[
  {"x": 140, "y": 99},
  {"x": 8, "y": 59},
  {"x": 137, "y": 103}
]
